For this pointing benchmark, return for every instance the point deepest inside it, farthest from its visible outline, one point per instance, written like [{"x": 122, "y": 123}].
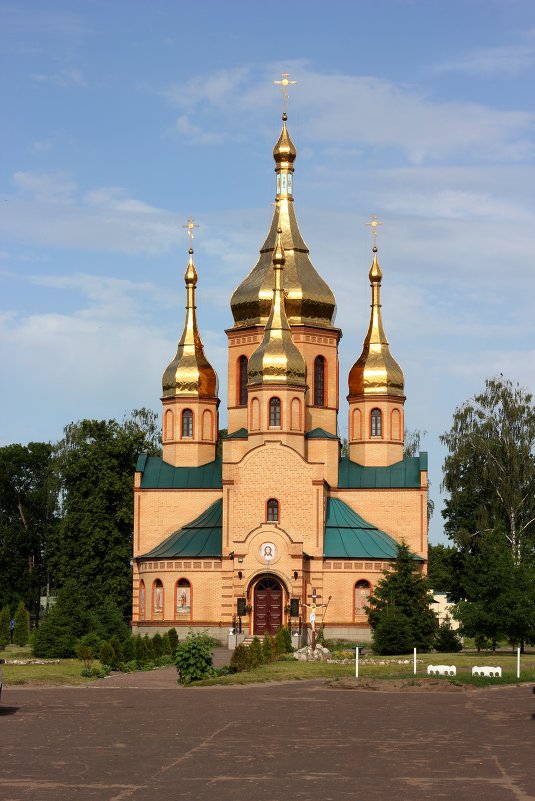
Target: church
[{"x": 279, "y": 525}]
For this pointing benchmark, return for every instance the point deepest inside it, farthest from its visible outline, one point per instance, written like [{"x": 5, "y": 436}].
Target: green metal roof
[
  {"x": 402, "y": 474},
  {"x": 348, "y": 535},
  {"x": 320, "y": 433},
  {"x": 241, "y": 433},
  {"x": 158, "y": 474},
  {"x": 202, "y": 538}
]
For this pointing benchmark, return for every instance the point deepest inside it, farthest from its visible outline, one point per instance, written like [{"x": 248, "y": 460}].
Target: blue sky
[{"x": 123, "y": 119}]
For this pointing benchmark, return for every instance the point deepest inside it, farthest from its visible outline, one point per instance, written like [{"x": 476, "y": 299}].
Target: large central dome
[{"x": 309, "y": 300}]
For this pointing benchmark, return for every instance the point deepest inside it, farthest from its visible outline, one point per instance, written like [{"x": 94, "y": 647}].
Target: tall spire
[
  {"x": 309, "y": 300},
  {"x": 190, "y": 373},
  {"x": 277, "y": 360},
  {"x": 376, "y": 372}
]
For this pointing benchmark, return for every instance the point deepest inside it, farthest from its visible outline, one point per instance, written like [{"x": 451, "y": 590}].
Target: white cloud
[
  {"x": 374, "y": 112},
  {"x": 56, "y": 186},
  {"x": 65, "y": 78},
  {"x": 505, "y": 59}
]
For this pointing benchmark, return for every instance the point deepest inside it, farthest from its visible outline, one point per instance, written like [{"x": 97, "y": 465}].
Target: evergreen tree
[
  {"x": 67, "y": 621},
  {"x": 21, "y": 632},
  {"x": 393, "y": 633},
  {"x": 173, "y": 640},
  {"x": 405, "y": 588},
  {"x": 5, "y": 633},
  {"x": 447, "y": 640}
]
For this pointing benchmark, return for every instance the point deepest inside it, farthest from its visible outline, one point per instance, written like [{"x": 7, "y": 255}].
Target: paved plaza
[{"x": 140, "y": 737}]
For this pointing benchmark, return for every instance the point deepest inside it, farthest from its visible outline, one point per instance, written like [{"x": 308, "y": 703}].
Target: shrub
[
  {"x": 393, "y": 633},
  {"x": 241, "y": 658},
  {"x": 5, "y": 634},
  {"x": 447, "y": 640},
  {"x": 140, "y": 650},
  {"x": 21, "y": 632},
  {"x": 67, "y": 621},
  {"x": 166, "y": 644},
  {"x": 283, "y": 641},
  {"x": 107, "y": 654},
  {"x": 173, "y": 640},
  {"x": 157, "y": 646},
  {"x": 117, "y": 653},
  {"x": 129, "y": 649},
  {"x": 149, "y": 652},
  {"x": 255, "y": 653},
  {"x": 194, "y": 658},
  {"x": 268, "y": 646},
  {"x": 86, "y": 654}
]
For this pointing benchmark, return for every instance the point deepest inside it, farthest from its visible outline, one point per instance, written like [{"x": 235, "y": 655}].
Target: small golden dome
[
  {"x": 284, "y": 151},
  {"x": 376, "y": 372},
  {"x": 190, "y": 373},
  {"x": 309, "y": 300},
  {"x": 277, "y": 360}
]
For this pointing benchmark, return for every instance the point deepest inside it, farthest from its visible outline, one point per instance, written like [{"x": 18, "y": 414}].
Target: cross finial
[
  {"x": 374, "y": 223},
  {"x": 190, "y": 226},
  {"x": 284, "y": 83}
]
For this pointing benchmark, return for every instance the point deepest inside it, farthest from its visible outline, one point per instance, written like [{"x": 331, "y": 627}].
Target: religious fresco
[{"x": 183, "y": 600}]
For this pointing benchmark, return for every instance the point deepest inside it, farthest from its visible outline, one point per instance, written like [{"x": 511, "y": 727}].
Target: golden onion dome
[
  {"x": 277, "y": 360},
  {"x": 376, "y": 372},
  {"x": 309, "y": 300},
  {"x": 190, "y": 373}
]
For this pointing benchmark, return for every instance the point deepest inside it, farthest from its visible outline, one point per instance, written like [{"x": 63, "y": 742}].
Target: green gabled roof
[
  {"x": 349, "y": 536},
  {"x": 158, "y": 474},
  {"x": 320, "y": 433},
  {"x": 241, "y": 433},
  {"x": 402, "y": 474},
  {"x": 202, "y": 538}
]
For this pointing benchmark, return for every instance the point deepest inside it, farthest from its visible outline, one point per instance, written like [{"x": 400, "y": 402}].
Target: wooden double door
[{"x": 267, "y": 606}]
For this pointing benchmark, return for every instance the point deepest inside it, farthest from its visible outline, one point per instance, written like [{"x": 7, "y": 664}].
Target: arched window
[
  {"x": 296, "y": 415},
  {"x": 255, "y": 415},
  {"x": 157, "y": 597},
  {"x": 362, "y": 596},
  {"x": 207, "y": 427},
  {"x": 169, "y": 424},
  {"x": 396, "y": 424},
  {"x": 183, "y": 598},
  {"x": 272, "y": 511},
  {"x": 319, "y": 381},
  {"x": 242, "y": 381},
  {"x": 187, "y": 423},
  {"x": 376, "y": 421},
  {"x": 274, "y": 412},
  {"x": 142, "y": 600}
]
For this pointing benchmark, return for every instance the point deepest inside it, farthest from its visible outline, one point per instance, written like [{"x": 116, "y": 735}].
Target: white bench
[
  {"x": 486, "y": 670},
  {"x": 441, "y": 670}
]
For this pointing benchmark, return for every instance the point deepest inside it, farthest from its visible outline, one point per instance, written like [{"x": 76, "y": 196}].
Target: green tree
[
  {"x": 441, "y": 567},
  {"x": 5, "y": 633},
  {"x": 28, "y": 517},
  {"x": 393, "y": 633},
  {"x": 405, "y": 588},
  {"x": 490, "y": 468},
  {"x": 66, "y": 622},
  {"x": 194, "y": 658},
  {"x": 21, "y": 632},
  {"x": 95, "y": 464},
  {"x": 447, "y": 640}
]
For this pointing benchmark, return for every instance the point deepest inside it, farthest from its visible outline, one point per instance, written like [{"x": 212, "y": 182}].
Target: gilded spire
[
  {"x": 277, "y": 360},
  {"x": 376, "y": 372},
  {"x": 190, "y": 372},
  {"x": 309, "y": 300}
]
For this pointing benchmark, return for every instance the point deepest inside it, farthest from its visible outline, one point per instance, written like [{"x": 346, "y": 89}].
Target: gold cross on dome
[
  {"x": 284, "y": 83},
  {"x": 374, "y": 223},
  {"x": 190, "y": 226}
]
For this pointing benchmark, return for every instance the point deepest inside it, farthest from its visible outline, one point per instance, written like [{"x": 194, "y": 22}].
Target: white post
[
  {"x": 518, "y": 663},
  {"x": 357, "y": 662},
  {"x": 414, "y": 662}
]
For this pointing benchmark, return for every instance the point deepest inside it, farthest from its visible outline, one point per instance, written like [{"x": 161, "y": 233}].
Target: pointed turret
[
  {"x": 376, "y": 391},
  {"x": 189, "y": 392},
  {"x": 277, "y": 360},
  {"x": 309, "y": 300},
  {"x": 277, "y": 373}
]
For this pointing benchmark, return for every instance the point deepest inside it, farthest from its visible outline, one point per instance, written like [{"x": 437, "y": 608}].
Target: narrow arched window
[
  {"x": 183, "y": 598},
  {"x": 157, "y": 597},
  {"x": 319, "y": 381},
  {"x": 362, "y": 596},
  {"x": 272, "y": 511},
  {"x": 376, "y": 420},
  {"x": 274, "y": 412},
  {"x": 242, "y": 377},
  {"x": 142, "y": 600},
  {"x": 187, "y": 423}
]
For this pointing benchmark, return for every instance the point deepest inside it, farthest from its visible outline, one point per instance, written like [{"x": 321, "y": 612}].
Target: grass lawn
[
  {"x": 66, "y": 671},
  {"x": 387, "y": 667}
]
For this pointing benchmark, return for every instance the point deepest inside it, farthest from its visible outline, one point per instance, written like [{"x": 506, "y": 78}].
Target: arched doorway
[{"x": 267, "y": 606}]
